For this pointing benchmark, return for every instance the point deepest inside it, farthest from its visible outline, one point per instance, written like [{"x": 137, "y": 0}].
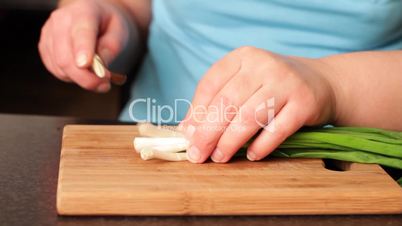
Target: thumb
[{"x": 84, "y": 34}]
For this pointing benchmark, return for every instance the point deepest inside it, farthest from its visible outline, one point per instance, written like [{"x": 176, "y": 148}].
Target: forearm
[{"x": 367, "y": 88}]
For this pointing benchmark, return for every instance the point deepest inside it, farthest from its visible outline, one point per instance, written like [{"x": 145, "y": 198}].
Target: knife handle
[
  {"x": 99, "y": 68},
  {"x": 118, "y": 79}
]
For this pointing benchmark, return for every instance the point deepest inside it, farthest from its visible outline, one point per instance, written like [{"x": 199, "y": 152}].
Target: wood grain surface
[{"x": 100, "y": 174}]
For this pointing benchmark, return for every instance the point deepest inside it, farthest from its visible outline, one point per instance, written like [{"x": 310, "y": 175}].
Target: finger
[
  {"x": 212, "y": 82},
  {"x": 257, "y": 112},
  {"x": 64, "y": 59},
  {"x": 223, "y": 108},
  {"x": 45, "y": 50},
  {"x": 56, "y": 71},
  {"x": 288, "y": 121},
  {"x": 84, "y": 33}
]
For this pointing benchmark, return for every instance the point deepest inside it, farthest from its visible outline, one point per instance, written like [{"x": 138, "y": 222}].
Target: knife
[{"x": 99, "y": 68}]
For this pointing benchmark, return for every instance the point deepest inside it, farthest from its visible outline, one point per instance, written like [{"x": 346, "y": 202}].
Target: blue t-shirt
[{"x": 187, "y": 37}]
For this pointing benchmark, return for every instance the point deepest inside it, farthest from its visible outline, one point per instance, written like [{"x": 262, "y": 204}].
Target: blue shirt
[{"x": 187, "y": 36}]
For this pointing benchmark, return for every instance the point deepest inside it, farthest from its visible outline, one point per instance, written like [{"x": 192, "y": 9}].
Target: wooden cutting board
[{"x": 101, "y": 174}]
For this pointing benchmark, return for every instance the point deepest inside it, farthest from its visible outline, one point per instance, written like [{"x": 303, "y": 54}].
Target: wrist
[
  {"x": 325, "y": 85},
  {"x": 330, "y": 72}
]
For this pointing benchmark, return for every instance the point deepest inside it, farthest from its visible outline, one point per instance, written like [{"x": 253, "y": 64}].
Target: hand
[
  {"x": 72, "y": 35},
  {"x": 250, "y": 89}
]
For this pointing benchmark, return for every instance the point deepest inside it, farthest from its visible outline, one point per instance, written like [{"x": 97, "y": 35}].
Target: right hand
[{"x": 75, "y": 32}]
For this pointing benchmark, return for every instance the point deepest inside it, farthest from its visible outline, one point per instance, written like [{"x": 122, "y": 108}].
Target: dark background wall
[{"x": 25, "y": 85}]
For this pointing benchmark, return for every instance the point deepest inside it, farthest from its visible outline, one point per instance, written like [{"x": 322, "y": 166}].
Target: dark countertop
[
  {"x": 28, "y": 4},
  {"x": 29, "y": 159}
]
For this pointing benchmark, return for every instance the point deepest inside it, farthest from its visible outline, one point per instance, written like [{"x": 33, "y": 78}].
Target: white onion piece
[
  {"x": 150, "y": 130},
  {"x": 150, "y": 153},
  {"x": 163, "y": 144}
]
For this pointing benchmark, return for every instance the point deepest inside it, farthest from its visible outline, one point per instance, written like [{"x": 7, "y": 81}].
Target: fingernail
[
  {"x": 217, "y": 156},
  {"x": 194, "y": 154},
  {"x": 82, "y": 60},
  {"x": 189, "y": 132},
  {"x": 251, "y": 156},
  {"x": 103, "y": 88}
]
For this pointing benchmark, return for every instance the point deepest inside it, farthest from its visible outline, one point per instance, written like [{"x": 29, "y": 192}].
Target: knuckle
[
  {"x": 217, "y": 70},
  {"x": 245, "y": 50},
  {"x": 231, "y": 63},
  {"x": 83, "y": 24},
  {"x": 57, "y": 14},
  {"x": 54, "y": 15},
  {"x": 205, "y": 86},
  {"x": 60, "y": 16},
  {"x": 287, "y": 73},
  {"x": 244, "y": 81},
  {"x": 247, "y": 115},
  {"x": 228, "y": 102},
  {"x": 270, "y": 55},
  {"x": 272, "y": 61}
]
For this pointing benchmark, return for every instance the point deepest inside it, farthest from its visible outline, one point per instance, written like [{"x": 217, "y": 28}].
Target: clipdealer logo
[{"x": 264, "y": 114}]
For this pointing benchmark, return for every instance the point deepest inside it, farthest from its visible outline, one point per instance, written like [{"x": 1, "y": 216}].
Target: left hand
[{"x": 241, "y": 94}]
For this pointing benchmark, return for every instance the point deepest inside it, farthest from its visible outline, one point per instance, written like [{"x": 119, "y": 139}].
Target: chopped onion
[
  {"x": 165, "y": 144},
  {"x": 150, "y": 130},
  {"x": 151, "y": 153}
]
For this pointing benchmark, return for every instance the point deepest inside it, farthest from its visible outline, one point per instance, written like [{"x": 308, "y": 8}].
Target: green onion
[{"x": 355, "y": 144}]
